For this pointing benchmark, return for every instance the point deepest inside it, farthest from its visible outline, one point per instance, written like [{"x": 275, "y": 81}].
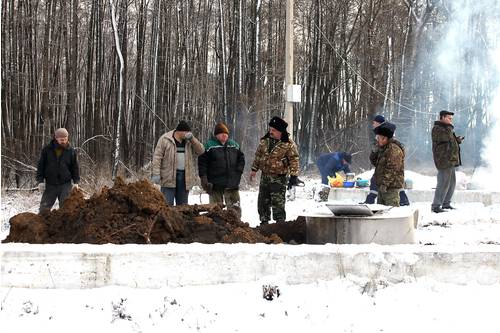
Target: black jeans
[{"x": 53, "y": 192}]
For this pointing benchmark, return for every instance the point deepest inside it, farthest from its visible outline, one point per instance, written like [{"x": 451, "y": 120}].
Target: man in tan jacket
[{"x": 174, "y": 163}]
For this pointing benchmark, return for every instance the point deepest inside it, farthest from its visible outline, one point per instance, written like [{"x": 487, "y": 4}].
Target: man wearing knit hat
[
  {"x": 220, "y": 168},
  {"x": 173, "y": 163},
  {"x": 276, "y": 156},
  {"x": 57, "y": 167},
  {"x": 389, "y": 165}
]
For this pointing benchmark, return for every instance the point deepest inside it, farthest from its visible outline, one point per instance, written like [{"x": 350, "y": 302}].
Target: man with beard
[{"x": 57, "y": 167}]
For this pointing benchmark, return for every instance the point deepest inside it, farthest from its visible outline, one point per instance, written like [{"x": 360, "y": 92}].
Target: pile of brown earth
[{"x": 137, "y": 213}]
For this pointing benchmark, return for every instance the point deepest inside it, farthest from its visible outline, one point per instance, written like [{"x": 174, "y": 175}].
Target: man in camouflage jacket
[
  {"x": 389, "y": 166},
  {"x": 372, "y": 195},
  {"x": 446, "y": 154},
  {"x": 276, "y": 157}
]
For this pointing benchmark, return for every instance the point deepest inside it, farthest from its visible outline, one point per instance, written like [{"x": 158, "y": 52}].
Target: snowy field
[{"x": 348, "y": 304}]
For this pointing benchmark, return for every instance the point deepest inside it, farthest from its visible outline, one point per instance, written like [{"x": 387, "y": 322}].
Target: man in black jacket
[
  {"x": 220, "y": 168},
  {"x": 57, "y": 167}
]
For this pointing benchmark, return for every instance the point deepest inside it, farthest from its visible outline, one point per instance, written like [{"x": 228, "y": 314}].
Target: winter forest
[{"x": 122, "y": 72}]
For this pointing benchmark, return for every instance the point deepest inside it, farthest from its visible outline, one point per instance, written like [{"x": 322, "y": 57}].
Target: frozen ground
[{"x": 350, "y": 304}]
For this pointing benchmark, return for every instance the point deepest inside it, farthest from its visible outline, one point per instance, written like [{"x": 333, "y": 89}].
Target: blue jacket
[{"x": 329, "y": 163}]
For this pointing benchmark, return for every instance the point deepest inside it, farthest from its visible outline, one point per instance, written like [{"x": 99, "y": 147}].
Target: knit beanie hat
[
  {"x": 183, "y": 126},
  {"x": 221, "y": 128},
  {"x": 386, "y": 129},
  {"x": 61, "y": 133},
  {"x": 379, "y": 119},
  {"x": 279, "y": 124}
]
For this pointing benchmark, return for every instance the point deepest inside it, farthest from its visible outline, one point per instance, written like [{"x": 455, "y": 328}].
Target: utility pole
[{"x": 289, "y": 64}]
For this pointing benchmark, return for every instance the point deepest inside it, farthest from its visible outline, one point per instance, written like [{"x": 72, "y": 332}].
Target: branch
[{"x": 19, "y": 162}]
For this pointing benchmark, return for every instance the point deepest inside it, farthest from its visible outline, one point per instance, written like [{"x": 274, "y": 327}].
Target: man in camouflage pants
[
  {"x": 276, "y": 157},
  {"x": 389, "y": 165}
]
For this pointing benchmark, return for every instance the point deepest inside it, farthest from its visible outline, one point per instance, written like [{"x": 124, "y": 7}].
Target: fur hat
[
  {"x": 386, "y": 129},
  {"x": 444, "y": 113},
  {"x": 61, "y": 133},
  {"x": 183, "y": 126},
  {"x": 279, "y": 124},
  {"x": 221, "y": 128},
  {"x": 379, "y": 119}
]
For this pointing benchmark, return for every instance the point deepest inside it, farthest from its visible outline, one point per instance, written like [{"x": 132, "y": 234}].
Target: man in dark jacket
[
  {"x": 446, "y": 154},
  {"x": 57, "y": 167},
  {"x": 389, "y": 165},
  {"x": 220, "y": 168},
  {"x": 331, "y": 163}
]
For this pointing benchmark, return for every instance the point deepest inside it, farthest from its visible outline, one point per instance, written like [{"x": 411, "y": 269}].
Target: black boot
[
  {"x": 370, "y": 198},
  {"x": 403, "y": 198},
  {"x": 437, "y": 210},
  {"x": 448, "y": 207}
]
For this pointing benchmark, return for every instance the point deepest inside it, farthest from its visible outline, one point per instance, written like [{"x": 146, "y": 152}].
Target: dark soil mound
[
  {"x": 137, "y": 213},
  {"x": 289, "y": 232}
]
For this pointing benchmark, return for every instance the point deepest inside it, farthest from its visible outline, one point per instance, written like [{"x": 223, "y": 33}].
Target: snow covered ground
[
  {"x": 341, "y": 305},
  {"x": 349, "y": 304}
]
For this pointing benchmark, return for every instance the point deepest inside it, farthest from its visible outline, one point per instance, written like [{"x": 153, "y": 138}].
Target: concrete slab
[
  {"x": 460, "y": 196},
  {"x": 155, "y": 266}
]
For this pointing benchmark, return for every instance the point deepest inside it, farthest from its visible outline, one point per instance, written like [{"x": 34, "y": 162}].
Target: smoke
[
  {"x": 468, "y": 66},
  {"x": 487, "y": 176}
]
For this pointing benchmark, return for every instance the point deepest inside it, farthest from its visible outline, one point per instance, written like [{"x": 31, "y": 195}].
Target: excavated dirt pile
[{"x": 137, "y": 213}]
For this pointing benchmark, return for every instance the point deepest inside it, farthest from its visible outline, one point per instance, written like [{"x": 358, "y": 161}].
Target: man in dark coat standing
[
  {"x": 220, "y": 168},
  {"x": 446, "y": 154},
  {"x": 57, "y": 167}
]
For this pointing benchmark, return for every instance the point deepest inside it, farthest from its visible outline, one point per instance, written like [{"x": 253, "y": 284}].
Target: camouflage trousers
[
  {"x": 389, "y": 198},
  {"x": 272, "y": 190},
  {"x": 231, "y": 198}
]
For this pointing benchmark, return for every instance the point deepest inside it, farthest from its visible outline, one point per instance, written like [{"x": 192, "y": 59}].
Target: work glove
[
  {"x": 294, "y": 181},
  {"x": 156, "y": 179},
  {"x": 41, "y": 187},
  {"x": 76, "y": 186},
  {"x": 382, "y": 188},
  {"x": 208, "y": 187},
  {"x": 188, "y": 136},
  {"x": 460, "y": 139}
]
